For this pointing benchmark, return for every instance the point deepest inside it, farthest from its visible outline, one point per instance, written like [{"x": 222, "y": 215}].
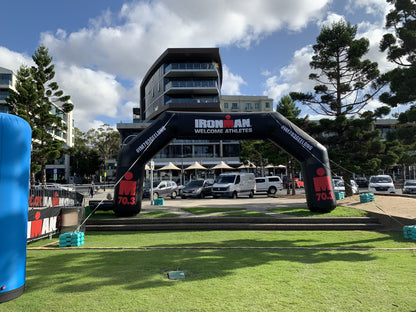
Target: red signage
[{"x": 322, "y": 185}]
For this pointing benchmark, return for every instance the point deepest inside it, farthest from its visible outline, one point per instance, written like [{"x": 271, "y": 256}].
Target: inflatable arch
[{"x": 210, "y": 126}]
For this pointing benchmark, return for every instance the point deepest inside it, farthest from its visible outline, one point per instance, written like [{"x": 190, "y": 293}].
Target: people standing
[{"x": 91, "y": 189}]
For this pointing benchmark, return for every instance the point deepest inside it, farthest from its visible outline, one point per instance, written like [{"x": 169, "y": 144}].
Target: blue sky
[{"x": 103, "y": 48}]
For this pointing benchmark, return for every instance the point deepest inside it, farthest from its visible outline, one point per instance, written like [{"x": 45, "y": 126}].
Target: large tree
[
  {"x": 39, "y": 100},
  {"x": 47, "y": 120},
  {"x": 105, "y": 140},
  {"x": 401, "y": 50},
  {"x": 288, "y": 108},
  {"x": 345, "y": 83},
  {"x": 85, "y": 161},
  {"x": 400, "y": 45}
]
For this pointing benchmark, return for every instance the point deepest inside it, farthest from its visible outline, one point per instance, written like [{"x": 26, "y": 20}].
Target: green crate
[
  {"x": 367, "y": 197},
  {"x": 159, "y": 201},
  {"x": 339, "y": 195},
  {"x": 409, "y": 231}
]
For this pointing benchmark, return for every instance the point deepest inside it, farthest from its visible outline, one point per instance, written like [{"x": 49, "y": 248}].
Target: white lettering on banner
[
  {"x": 150, "y": 139},
  {"x": 228, "y": 125},
  {"x": 295, "y": 136},
  {"x": 29, "y": 229},
  {"x": 43, "y": 226}
]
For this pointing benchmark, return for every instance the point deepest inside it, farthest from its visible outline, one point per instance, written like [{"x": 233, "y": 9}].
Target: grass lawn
[
  {"x": 339, "y": 211},
  {"x": 224, "y": 271}
]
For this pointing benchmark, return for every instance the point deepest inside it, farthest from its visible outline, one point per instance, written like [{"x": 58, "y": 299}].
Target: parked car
[
  {"x": 409, "y": 187},
  {"x": 161, "y": 189},
  {"x": 298, "y": 183},
  {"x": 381, "y": 184},
  {"x": 269, "y": 185},
  {"x": 339, "y": 186},
  {"x": 197, "y": 188},
  {"x": 361, "y": 181},
  {"x": 234, "y": 185}
]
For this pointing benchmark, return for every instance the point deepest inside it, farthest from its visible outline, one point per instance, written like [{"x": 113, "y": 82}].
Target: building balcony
[
  {"x": 192, "y": 86},
  {"x": 191, "y": 69}
]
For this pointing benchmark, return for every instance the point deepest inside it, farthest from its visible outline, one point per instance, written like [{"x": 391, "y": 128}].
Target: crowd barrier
[{"x": 53, "y": 211}]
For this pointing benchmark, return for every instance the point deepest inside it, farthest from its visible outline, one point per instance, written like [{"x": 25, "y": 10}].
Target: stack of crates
[
  {"x": 71, "y": 239},
  {"x": 159, "y": 201},
  {"x": 409, "y": 231},
  {"x": 339, "y": 195},
  {"x": 366, "y": 197}
]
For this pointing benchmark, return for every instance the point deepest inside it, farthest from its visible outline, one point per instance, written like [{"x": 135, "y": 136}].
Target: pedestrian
[{"x": 91, "y": 189}]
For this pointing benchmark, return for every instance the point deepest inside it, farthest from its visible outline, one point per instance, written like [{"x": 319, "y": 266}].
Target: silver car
[
  {"x": 409, "y": 187},
  {"x": 161, "y": 189}
]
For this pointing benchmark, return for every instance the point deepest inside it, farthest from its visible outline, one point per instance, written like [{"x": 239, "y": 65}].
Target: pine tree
[
  {"x": 344, "y": 82},
  {"x": 344, "y": 85},
  {"x": 287, "y": 107},
  {"x": 35, "y": 100},
  {"x": 45, "y": 147},
  {"x": 401, "y": 50}
]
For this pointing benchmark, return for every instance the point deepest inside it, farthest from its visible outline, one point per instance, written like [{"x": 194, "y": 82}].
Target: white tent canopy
[
  {"x": 222, "y": 165},
  {"x": 195, "y": 166},
  {"x": 169, "y": 166}
]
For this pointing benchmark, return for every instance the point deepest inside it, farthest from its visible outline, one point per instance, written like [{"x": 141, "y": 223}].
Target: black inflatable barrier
[{"x": 133, "y": 156}]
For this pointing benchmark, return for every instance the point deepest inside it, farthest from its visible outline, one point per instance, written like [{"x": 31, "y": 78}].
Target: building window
[
  {"x": 225, "y": 105},
  {"x": 231, "y": 150},
  {"x": 204, "y": 150},
  {"x": 267, "y": 105},
  {"x": 234, "y": 106},
  {"x": 256, "y": 105},
  {"x": 248, "y": 106},
  {"x": 4, "y": 94}
]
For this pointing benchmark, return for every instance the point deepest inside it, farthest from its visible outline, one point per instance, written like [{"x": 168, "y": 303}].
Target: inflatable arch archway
[{"x": 133, "y": 156}]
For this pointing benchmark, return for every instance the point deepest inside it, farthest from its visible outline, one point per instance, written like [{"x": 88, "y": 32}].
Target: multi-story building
[
  {"x": 7, "y": 83},
  {"x": 182, "y": 80},
  {"x": 60, "y": 168},
  {"x": 189, "y": 80},
  {"x": 245, "y": 103}
]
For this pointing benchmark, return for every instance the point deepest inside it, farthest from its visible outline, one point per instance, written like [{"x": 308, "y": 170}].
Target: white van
[
  {"x": 234, "y": 184},
  {"x": 381, "y": 184}
]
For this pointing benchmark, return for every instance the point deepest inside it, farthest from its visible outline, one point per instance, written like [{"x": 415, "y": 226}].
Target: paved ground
[{"x": 397, "y": 206}]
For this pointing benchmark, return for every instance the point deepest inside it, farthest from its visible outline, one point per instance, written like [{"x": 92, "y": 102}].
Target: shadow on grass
[{"x": 80, "y": 270}]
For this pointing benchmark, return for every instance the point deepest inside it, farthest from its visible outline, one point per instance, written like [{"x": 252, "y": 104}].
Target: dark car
[
  {"x": 361, "y": 181},
  {"x": 161, "y": 189},
  {"x": 197, "y": 188}
]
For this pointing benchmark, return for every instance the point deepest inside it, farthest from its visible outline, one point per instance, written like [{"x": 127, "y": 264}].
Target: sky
[{"x": 101, "y": 49}]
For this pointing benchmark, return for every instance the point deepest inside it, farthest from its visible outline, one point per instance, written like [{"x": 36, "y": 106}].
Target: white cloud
[
  {"x": 330, "y": 19},
  {"x": 231, "y": 82},
  {"x": 119, "y": 47},
  {"x": 93, "y": 93},
  {"x": 374, "y": 7},
  {"x": 13, "y": 60},
  {"x": 127, "y": 43},
  {"x": 293, "y": 77}
]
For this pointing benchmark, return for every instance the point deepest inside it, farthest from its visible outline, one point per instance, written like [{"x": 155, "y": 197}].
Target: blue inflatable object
[{"x": 15, "y": 143}]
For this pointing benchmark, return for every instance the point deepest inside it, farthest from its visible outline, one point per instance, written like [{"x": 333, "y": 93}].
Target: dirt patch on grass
[{"x": 399, "y": 206}]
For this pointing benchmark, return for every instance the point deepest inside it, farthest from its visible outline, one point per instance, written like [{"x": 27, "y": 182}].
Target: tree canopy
[
  {"x": 344, "y": 82},
  {"x": 39, "y": 100}
]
